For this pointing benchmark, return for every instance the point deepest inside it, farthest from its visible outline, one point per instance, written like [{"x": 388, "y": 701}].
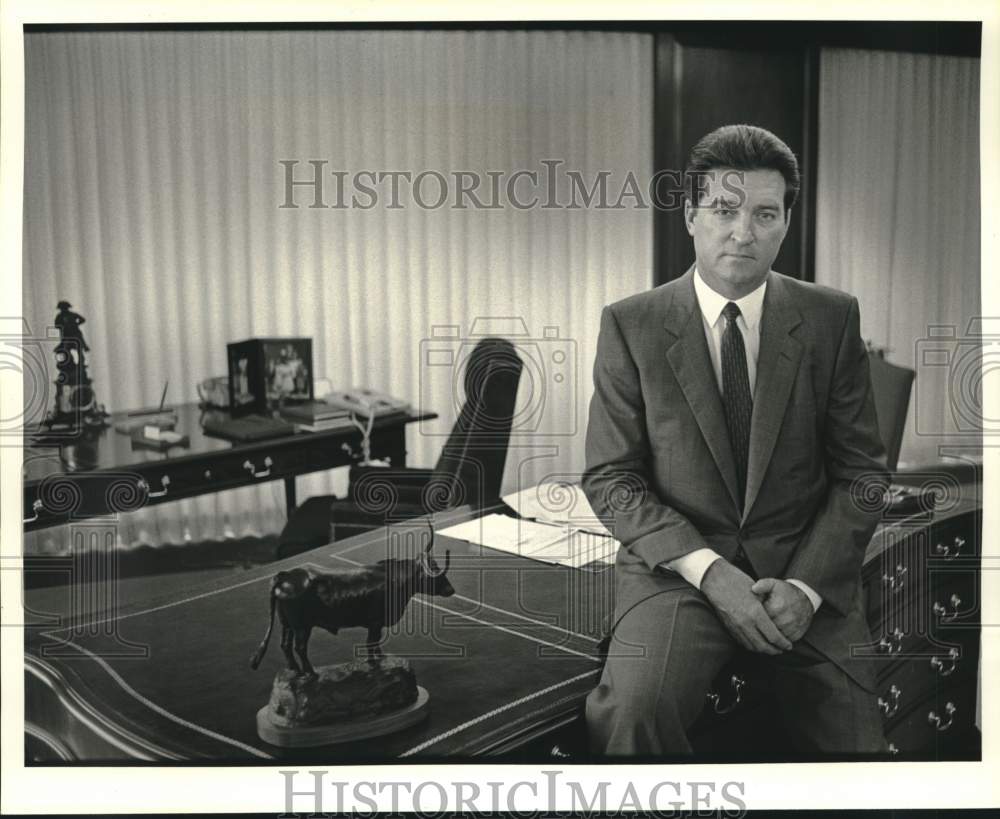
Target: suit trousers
[{"x": 663, "y": 657}]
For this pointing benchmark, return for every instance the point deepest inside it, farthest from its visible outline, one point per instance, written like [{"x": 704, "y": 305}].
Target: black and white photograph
[{"x": 677, "y": 494}]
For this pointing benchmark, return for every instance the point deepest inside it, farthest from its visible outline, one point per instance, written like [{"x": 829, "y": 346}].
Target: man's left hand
[{"x": 786, "y": 604}]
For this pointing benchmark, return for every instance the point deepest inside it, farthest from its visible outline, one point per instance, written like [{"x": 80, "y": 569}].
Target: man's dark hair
[{"x": 743, "y": 148}]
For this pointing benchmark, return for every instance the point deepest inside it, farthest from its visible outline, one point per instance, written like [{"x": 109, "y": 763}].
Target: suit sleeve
[
  {"x": 830, "y": 557},
  {"x": 616, "y": 479}
]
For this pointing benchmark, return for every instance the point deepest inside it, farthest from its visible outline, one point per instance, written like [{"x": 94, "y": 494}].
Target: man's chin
[{"x": 742, "y": 271}]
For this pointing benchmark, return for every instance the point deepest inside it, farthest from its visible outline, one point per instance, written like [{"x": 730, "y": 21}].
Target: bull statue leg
[
  {"x": 374, "y": 643},
  {"x": 286, "y": 647},
  {"x": 301, "y": 636}
]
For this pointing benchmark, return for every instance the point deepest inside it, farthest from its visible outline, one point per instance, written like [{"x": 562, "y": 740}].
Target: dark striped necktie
[{"x": 736, "y": 396}]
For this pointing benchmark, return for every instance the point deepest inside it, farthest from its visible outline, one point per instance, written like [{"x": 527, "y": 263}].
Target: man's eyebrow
[{"x": 724, "y": 202}]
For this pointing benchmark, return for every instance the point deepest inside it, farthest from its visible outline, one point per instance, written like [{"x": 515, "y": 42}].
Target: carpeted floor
[{"x": 177, "y": 563}]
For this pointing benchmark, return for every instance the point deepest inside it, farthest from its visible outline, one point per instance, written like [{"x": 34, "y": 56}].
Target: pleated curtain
[
  {"x": 898, "y": 225},
  {"x": 153, "y": 191}
]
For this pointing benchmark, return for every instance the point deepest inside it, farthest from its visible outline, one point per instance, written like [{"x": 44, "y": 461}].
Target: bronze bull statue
[{"x": 371, "y": 596}]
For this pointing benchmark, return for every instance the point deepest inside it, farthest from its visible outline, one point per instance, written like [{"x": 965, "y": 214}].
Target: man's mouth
[{"x": 739, "y": 255}]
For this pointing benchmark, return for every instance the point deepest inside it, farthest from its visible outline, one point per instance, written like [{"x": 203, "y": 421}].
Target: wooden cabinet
[{"x": 921, "y": 589}]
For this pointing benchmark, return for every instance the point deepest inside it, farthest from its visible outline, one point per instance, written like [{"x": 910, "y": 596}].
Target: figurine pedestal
[{"x": 343, "y": 702}]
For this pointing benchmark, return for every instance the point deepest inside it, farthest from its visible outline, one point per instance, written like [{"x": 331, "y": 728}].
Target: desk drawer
[
  {"x": 924, "y": 564},
  {"x": 909, "y": 681},
  {"x": 938, "y": 726},
  {"x": 932, "y": 624},
  {"x": 243, "y": 467},
  {"x": 62, "y": 498},
  {"x": 895, "y": 648}
]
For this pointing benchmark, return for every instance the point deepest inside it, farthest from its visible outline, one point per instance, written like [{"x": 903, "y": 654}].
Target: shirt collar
[{"x": 712, "y": 303}]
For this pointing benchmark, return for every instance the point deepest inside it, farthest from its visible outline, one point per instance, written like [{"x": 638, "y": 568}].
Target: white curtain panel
[
  {"x": 153, "y": 186},
  {"x": 898, "y": 224}
]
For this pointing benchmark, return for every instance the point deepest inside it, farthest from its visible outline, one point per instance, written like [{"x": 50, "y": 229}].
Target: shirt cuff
[
  {"x": 693, "y": 565},
  {"x": 814, "y": 598}
]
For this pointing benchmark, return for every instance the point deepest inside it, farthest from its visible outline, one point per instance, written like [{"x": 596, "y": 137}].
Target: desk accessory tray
[{"x": 139, "y": 440}]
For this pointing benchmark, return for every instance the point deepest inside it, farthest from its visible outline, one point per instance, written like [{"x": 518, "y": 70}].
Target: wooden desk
[
  {"x": 166, "y": 675},
  {"x": 101, "y": 472},
  {"x": 510, "y": 658}
]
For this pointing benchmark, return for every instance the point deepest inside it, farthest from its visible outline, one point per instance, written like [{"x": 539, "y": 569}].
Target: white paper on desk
[
  {"x": 587, "y": 547},
  {"x": 561, "y": 545},
  {"x": 558, "y": 502},
  {"x": 507, "y": 534}
]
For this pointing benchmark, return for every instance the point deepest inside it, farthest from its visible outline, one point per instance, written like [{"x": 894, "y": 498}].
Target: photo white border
[{"x": 261, "y": 789}]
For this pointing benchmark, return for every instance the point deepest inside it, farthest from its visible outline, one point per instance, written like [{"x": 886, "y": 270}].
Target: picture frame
[{"x": 267, "y": 373}]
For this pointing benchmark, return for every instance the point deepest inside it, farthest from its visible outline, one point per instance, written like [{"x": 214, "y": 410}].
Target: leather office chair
[
  {"x": 891, "y": 388},
  {"x": 469, "y": 469}
]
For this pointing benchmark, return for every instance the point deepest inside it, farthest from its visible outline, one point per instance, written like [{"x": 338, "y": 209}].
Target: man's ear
[
  {"x": 689, "y": 214},
  {"x": 788, "y": 222}
]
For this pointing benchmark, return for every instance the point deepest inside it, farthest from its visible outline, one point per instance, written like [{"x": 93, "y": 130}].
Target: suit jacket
[{"x": 661, "y": 473}]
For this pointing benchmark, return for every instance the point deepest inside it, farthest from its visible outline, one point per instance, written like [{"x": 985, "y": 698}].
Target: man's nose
[{"x": 743, "y": 230}]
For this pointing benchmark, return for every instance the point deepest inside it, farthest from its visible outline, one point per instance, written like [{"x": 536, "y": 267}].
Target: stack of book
[{"x": 317, "y": 416}]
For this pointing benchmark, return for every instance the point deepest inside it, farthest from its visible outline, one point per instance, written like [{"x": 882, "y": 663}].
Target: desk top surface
[
  {"x": 106, "y": 448},
  {"x": 512, "y": 650},
  {"x": 514, "y": 645}
]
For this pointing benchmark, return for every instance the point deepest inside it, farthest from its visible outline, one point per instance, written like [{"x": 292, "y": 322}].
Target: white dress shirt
[{"x": 692, "y": 566}]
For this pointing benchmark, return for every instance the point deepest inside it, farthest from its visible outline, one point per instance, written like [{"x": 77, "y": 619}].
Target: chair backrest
[
  {"x": 891, "y": 387},
  {"x": 472, "y": 460}
]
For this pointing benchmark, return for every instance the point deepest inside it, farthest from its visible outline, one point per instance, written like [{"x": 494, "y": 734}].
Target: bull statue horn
[{"x": 430, "y": 542}]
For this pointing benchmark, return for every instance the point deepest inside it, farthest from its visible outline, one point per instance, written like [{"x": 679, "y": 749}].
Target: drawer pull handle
[
  {"x": 895, "y": 583},
  {"x": 737, "y": 683},
  {"x": 893, "y": 644},
  {"x": 893, "y": 750},
  {"x": 36, "y": 507},
  {"x": 941, "y": 610},
  {"x": 938, "y": 664},
  {"x": 935, "y": 720},
  {"x": 891, "y": 705},
  {"x": 951, "y": 551},
  {"x": 164, "y": 482},
  {"x": 249, "y": 467}
]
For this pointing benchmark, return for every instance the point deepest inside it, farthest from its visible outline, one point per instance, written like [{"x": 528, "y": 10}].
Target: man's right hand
[{"x": 741, "y": 612}]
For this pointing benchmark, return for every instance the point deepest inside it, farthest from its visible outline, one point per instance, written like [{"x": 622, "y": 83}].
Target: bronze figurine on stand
[{"x": 76, "y": 403}]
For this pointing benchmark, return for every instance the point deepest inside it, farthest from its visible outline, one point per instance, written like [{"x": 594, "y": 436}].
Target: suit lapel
[
  {"x": 688, "y": 356},
  {"x": 777, "y": 364}
]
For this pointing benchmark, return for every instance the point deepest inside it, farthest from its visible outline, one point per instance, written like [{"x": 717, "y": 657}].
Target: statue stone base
[{"x": 341, "y": 703}]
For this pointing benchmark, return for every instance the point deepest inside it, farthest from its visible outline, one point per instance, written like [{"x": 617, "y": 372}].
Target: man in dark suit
[{"x": 733, "y": 449}]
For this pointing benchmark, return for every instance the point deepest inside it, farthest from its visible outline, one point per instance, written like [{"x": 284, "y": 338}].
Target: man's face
[{"x": 737, "y": 228}]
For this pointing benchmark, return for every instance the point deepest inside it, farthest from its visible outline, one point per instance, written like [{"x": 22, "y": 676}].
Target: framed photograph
[
  {"x": 288, "y": 370},
  {"x": 265, "y": 373}
]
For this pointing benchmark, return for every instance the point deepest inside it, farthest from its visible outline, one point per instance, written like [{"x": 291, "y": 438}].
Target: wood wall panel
[{"x": 701, "y": 87}]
